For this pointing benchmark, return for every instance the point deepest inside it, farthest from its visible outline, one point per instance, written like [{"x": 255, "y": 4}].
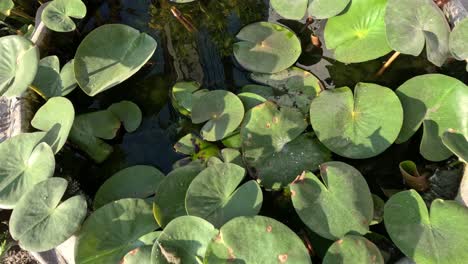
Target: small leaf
[
  {"x": 57, "y": 14},
  {"x": 6, "y": 6},
  {"x": 456, "y": 143},
  {"x": 412, "y": 178},
  {"x": 129, "y": 114},
  {"x": 458, "y": 39}
]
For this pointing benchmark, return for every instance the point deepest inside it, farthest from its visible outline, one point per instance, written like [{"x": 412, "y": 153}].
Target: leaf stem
[{"x": 388, "y": 63}]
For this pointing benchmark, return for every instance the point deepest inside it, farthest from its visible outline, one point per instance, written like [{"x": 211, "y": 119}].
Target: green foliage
[
  {"x": 128, "y": 113},
  {"x": 6, "y": 6},
  {"x": 183, "y": 94},
  {"x": 58, "y": 14},
  {"x": 50, "y": 81},
  {"x": 438, "y": 237},
  {"x": 142, "y": 254},
  {"x": 353, "y": 249},
  {"x": 458, "y": 39},
  {"x": 196, "y": 147},
  {"x": 319, "y": 9},
  {"x": 457, "y": 143}
]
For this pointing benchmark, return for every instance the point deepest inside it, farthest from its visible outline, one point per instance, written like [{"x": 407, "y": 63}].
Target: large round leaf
[
  {"x": 256, "y": 239},
  {"x": 319, "y": 9},
  {"x": 438, "y": 102},
  {"x": 109, "y": 55},
  {"x": 435, "y": 238},
  {"x": 357, "y": 126},
  {"x": 274, "y": 148},
  {"x": 353, "y": 249},
  {"x": 213, "y": 195},
  {"x": 183, "y": 240},
  {"x": 58, "y": 14},
  {"x": 134, "y": 182},
  {"x": 25, "y": 161},
  {"x": 359, "y": 34},
  {"x": 169, "y": 201},
  {"x": 129, "y": 114},
  {"x": 458, "y": 39},
  {"x": 223, "y": 110},
  {"x": 50, "y": 81},
  {"x": 266, "y": 47},
  {"x": 411, "y": 24},
  {"x": 341, "y": 204},
  {"x": 113, "y": 230},
  {"x": 18, "y": 65},
  {"x": 40, "y": 222},
  {"x": 56, "y": 117}
]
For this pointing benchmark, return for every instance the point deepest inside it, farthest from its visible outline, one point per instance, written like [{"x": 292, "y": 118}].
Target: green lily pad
[
  {"x": 215, "y": 194},
  {"x": 341, "y": 204},
  {"x": 262, "y": 90},
  {"x": 274, "y": 148},
  {"x": 359, "y": 34},
  {"x": 257, "y": 239},
  {"x": 6, "y": 6},
  {"x": 457, "y": 143},
  {"x": 101, "y": 64},
  {"x": 411, "y": 24},
  {"x": 55, "y": 117},
  {"x": 182, "y": 96},
  {"x": 50, "y": 81},
  {"x": 250, "y": 100},
  {"x": 233, "y": 141},
  {"x": 458, "y": 39},
  {"x": 194, "y": 146},
  {"x": 40, "y": 222},
  {"x": 142, "y": 255},
  {"x": 267, "y": 47},
  {"x": 113, "y": 230},
  {"x": 435, "y": 238},
  {"x": 88, "y": 130},
  {"x": 357, "y": 126},
  {"x": 169, "y": 201},
  {"x": 129, "y": 114},
  {"x": 183, "y": 240},
  {"x": 26, "y": 161},
  {"x": 319, "y": 9},
  {"x": 58, "y": 14},
  {"x": 438, "y": 102},
  {"x": 234, "y": 156},
  {"x": 296, "y": 87},
  {"x": 18, "y": 68},
  {"x": 223, "y": 110},
  {"x": 134, "y": 182},
  {"x": 353, "y": 249}
]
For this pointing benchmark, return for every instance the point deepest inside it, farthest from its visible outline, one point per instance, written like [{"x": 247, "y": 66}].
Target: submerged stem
[{"x": 388, "y": 63}]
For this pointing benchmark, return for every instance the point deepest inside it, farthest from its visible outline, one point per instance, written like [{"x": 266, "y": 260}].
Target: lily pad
[
  {"x": 435, "y": 238},
  {"x": 6, "y": 6},
  {"x": 50, "y": 81},
  {"x": 55, "y": 117},
  {"x": 194, "y": 146},
  {"x": 18, "y": 67},
  {"x": 274, "y": 148},
  {"x": 413, "y": 24},
  {"x": 183, "y": 240},
  {"x": 267, "y": 47},
  {"x": 357, "y": 126},
  {"x": 40, "y": 222},
  {"x": 101, "y": 64},
  {"x": 58, "y": 15},
  {"x": 215, "y": 194},
  {"x": 142, "y": 255},
  {"x": 183, "y": 94},
  {"x": 113, "y": 230},
  {"x": 222, "y": 111},
  {"x": 129, "y": 114},
  {"x": 353, "y": 249},
  {"x": 341, "y": 204},
  {"x": 319, "y": 9},
  {"x": 257, "y": 239},
  {"x": 439, "y": 103},
  {"x": 134, "y": 182},
  {"x": 250, "y": 100},
  {"x": 262, "y": 90},
  {"x": 457, "y": 143},
  {"x": 234, "y": 156},
  {"x": 359, "y": 34},
  {"x": 458, "y": 39},
  {"x": 26, "y": 161},
  {"x": 169, "y": 201},
  {"x": 233, "y": 141}
]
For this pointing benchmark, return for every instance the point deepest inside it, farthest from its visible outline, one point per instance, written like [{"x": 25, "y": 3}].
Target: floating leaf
[
  {"x": 341, "y": 204},
  {"x": 359, "y": 34},
  {"x": 215, "y": 194},
  {"x": 256, "y": 239},
  {"x": 230, "y": 155},
  {"x": 6, "y": 6},
  {"x": 55, "y": 117},
  {"x": 113, "y": 230},
  {"x": 101, "y": 64},
  {"x": 353, "y": 249},
  {"x": 319, "y": 9},
  {"x": 357, "y": 126},
  {"x": 50, "y": 82},
  {"x": 183, "y": 94},
  {"x": 438, "y": 102},
  {"x": 411, "y": 175},
  {"x": 274, "y": 147},
  {"x": 456, "y": 143},
  {"x": 18, "y": 65},
  {"x": 435, "y": 238},
  {"x": 142, "y": 255},
  {"x": 263, "y": 91},
  {"x": 26, "y": 161},
  {"x": 193, "y": 145},
  {"x": 129, "y": 114},
  {"x": 58, "y": 14},
  {"x": 266, "y": 47},
  {"x": 411, "y": 24},
  {"x": 458, "y": 39},
  {"x": 169, "y": 201},
  {"x": 233, "y": 141},
  {"x": 183, "y": 240},
  {"x": 134, "y": 182},
  {"x": 222, "y": 109},
  {"x": 250, "y": 100},
  {"x": 40, "y": 222}
]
